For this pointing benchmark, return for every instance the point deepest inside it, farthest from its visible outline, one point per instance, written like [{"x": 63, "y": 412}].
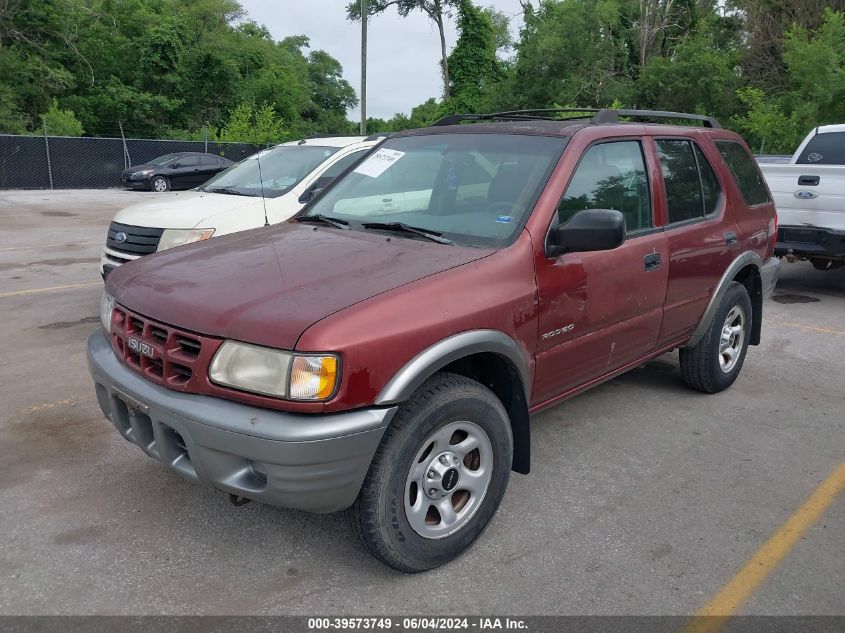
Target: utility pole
[{"x": 363, "y": 67}]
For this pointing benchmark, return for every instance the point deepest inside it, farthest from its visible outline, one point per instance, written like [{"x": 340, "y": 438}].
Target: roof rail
[
  {"x": 541, "y": 114},
  {"x": 596, "y": 116},
  {"x": 612, "y": 116}
]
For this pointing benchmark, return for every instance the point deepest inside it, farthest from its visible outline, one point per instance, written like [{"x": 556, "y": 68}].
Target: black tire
[
  {"x": 160, "y": 184},
  {"x": 701, "y": 368},
  {"x": 378, "y": 515}
]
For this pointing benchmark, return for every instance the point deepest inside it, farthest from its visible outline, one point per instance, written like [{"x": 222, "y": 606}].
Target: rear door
[
  {"x": 702, "y": 242},
  {"x": 600, "y": 311},
  {"x": 184, "y": 172},
  {"x": 208, "y": 166}
]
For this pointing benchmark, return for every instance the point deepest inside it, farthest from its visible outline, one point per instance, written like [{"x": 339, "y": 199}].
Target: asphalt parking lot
[{"x": 645, "y": 498}]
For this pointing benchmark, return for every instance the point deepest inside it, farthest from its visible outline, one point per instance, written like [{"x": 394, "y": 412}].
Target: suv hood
[
  {"x": 268, "y": 285},
  {"x": 186, "y": 209}
]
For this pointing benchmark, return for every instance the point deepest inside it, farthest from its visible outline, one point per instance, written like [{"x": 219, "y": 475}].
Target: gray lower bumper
[
  {"x": 769, "y": 276},
  {"x": 309, "y": 462}
]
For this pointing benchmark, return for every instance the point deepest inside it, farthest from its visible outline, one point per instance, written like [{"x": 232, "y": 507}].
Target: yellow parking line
[
  {"x": 17, "y": 293},
  {"x": 715, "y": 614},
  {"x": 23, "y": 248},
  {"x": 811, "y": 328}
]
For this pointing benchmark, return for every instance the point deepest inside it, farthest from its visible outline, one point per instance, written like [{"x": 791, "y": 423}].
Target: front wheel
[
  {"x": 438, "y": 476},
  {"x": 159, "y": 184},
  {"x": 714, "y": 364}
]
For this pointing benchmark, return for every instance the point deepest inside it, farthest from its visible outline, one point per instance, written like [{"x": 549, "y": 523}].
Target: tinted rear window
[
  {"x": 680, "y": 174},
  {"x": 824, "y": 149},
  {"x": 745, "y": 171}
]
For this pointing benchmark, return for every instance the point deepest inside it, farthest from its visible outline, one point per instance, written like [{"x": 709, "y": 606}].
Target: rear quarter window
[
  {"x": 827, "y": 148},
  {"x": 745, "y": 172}
]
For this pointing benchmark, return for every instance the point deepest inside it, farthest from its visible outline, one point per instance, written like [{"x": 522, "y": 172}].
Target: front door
[{"x": 600, "y": 311}]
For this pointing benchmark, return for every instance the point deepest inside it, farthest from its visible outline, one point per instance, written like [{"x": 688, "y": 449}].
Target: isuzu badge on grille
[{"x": 141, "y": 348}]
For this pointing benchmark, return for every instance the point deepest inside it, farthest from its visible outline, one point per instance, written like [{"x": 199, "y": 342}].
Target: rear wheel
[
  {"x": 160, "y": 184},
  {"x": 438, "y": 476},
  {"x": 714, "y": 364}
]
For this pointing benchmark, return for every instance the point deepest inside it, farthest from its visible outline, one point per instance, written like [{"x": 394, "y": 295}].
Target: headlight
[
  {"x": 178, "y": 237},
  {"x": 274, "y": 372},
  {"x": 106, "y": 310},
  {"x": 143, "y": 172}
]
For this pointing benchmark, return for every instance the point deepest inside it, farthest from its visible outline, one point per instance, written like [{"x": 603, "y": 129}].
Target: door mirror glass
[{"x": 588, "y": 230}]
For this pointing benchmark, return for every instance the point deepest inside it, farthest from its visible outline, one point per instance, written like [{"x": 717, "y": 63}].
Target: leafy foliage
[
  {"x": 58, "y": 122},
  {"x": 161, "y": 66}
]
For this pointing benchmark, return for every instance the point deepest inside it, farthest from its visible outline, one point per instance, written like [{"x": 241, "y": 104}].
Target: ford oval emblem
[
  {"x": 803, "y": 194},
  {"x": 120, "y": 237}
]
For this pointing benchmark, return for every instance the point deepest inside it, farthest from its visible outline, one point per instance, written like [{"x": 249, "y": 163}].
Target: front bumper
[
  {"x": 769, "y": 276},
  {"x": 315, "y": 463},
  {"x": 111, "y": 259},
  {"x": 810, "y": 241}
]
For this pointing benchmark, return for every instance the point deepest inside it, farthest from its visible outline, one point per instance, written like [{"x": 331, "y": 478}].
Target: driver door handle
[{"x": 652, "y": 261}]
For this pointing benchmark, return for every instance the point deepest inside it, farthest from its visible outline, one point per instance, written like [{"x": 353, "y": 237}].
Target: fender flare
[
  {"x": 417, "y": 370},
  {"x": 748, "y": 257}
]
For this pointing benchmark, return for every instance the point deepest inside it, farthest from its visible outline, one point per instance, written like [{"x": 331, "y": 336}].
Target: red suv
[{"x": 384, "y": 350}]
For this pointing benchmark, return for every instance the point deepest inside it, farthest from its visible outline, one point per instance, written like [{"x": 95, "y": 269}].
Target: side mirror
[
  {"x": 175, "y": 165},
  {"x": 309, "y": 194},
  {"x": 588, "y": 230}
]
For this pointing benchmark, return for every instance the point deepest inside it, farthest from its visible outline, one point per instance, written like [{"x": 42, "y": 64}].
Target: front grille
[
  {"x": 164, "y": 354},
  {"x": 140, "y": 240}
]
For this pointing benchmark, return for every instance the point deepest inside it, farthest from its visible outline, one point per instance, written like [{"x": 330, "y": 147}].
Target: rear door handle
[
  {"x": 652, "y": 261},
  {"x": 808, "y": 181},
  {"x": 730, "y": 238}
]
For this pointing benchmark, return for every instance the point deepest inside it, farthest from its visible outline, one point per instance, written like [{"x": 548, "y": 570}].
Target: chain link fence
[{"x": 65, "y": 162}]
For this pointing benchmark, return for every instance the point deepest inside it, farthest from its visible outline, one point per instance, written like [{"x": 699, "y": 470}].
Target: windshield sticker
[
  {"x": 814, "y": 157},
  {"x": 504, "y": 219},
  {"x": 375, "y": 165}
]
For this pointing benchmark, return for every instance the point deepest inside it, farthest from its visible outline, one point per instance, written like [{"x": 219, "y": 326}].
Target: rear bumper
[
  {"x": 810, "y": 241},
  {"x": 315, "y": 463}
]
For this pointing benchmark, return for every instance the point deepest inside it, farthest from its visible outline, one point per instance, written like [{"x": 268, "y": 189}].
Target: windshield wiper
[
  {"x": 407, "y": 228},
  {"x": 230, "y": 191},
  {"x": 338, "y": 224}
]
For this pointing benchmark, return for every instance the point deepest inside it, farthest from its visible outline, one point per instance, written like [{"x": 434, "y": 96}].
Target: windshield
[
  {"x": 281, "y": 169},
  {"x": 475, "y": 189},
  {"x": 162, "y": 160}
]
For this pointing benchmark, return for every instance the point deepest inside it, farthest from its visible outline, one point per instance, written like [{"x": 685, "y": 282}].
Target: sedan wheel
[{"x": 160, "y": 184}]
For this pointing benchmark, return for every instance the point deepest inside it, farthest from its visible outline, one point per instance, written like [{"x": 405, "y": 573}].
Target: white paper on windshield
[{"x": 378, "y": 163}]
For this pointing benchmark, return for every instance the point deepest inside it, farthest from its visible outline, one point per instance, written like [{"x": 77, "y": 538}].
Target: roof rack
[
  {"x": 595, "y": 116},
  {"x": 541, "y": 114},
  {"x": 612, "y": 116}
]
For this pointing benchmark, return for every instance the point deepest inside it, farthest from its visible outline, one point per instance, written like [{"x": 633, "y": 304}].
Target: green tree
[
  {"x": 473, "y": 62},
  {"x": 60, "y": 122},
  {"x": 260, "y": 125}
]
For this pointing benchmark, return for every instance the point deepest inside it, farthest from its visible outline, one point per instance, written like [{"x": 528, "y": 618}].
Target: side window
[
  {"x": 610, "y": 176},
  {"x": 827, "y": 148},
  {"x": 188, "y": 161},
  {"x": 745, "y": 172},
  {"x": 680, "y": 173},
  {"x": 208, "y": 161},
  {"x": 340, "y": 166},
  {"x": 710, "y": 187}
]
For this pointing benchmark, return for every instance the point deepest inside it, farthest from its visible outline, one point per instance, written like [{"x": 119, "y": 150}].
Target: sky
[{"x": 402, "y": 53}]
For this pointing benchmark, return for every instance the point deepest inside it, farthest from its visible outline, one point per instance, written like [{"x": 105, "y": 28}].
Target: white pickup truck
[{"x": 809, "y": 193}]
